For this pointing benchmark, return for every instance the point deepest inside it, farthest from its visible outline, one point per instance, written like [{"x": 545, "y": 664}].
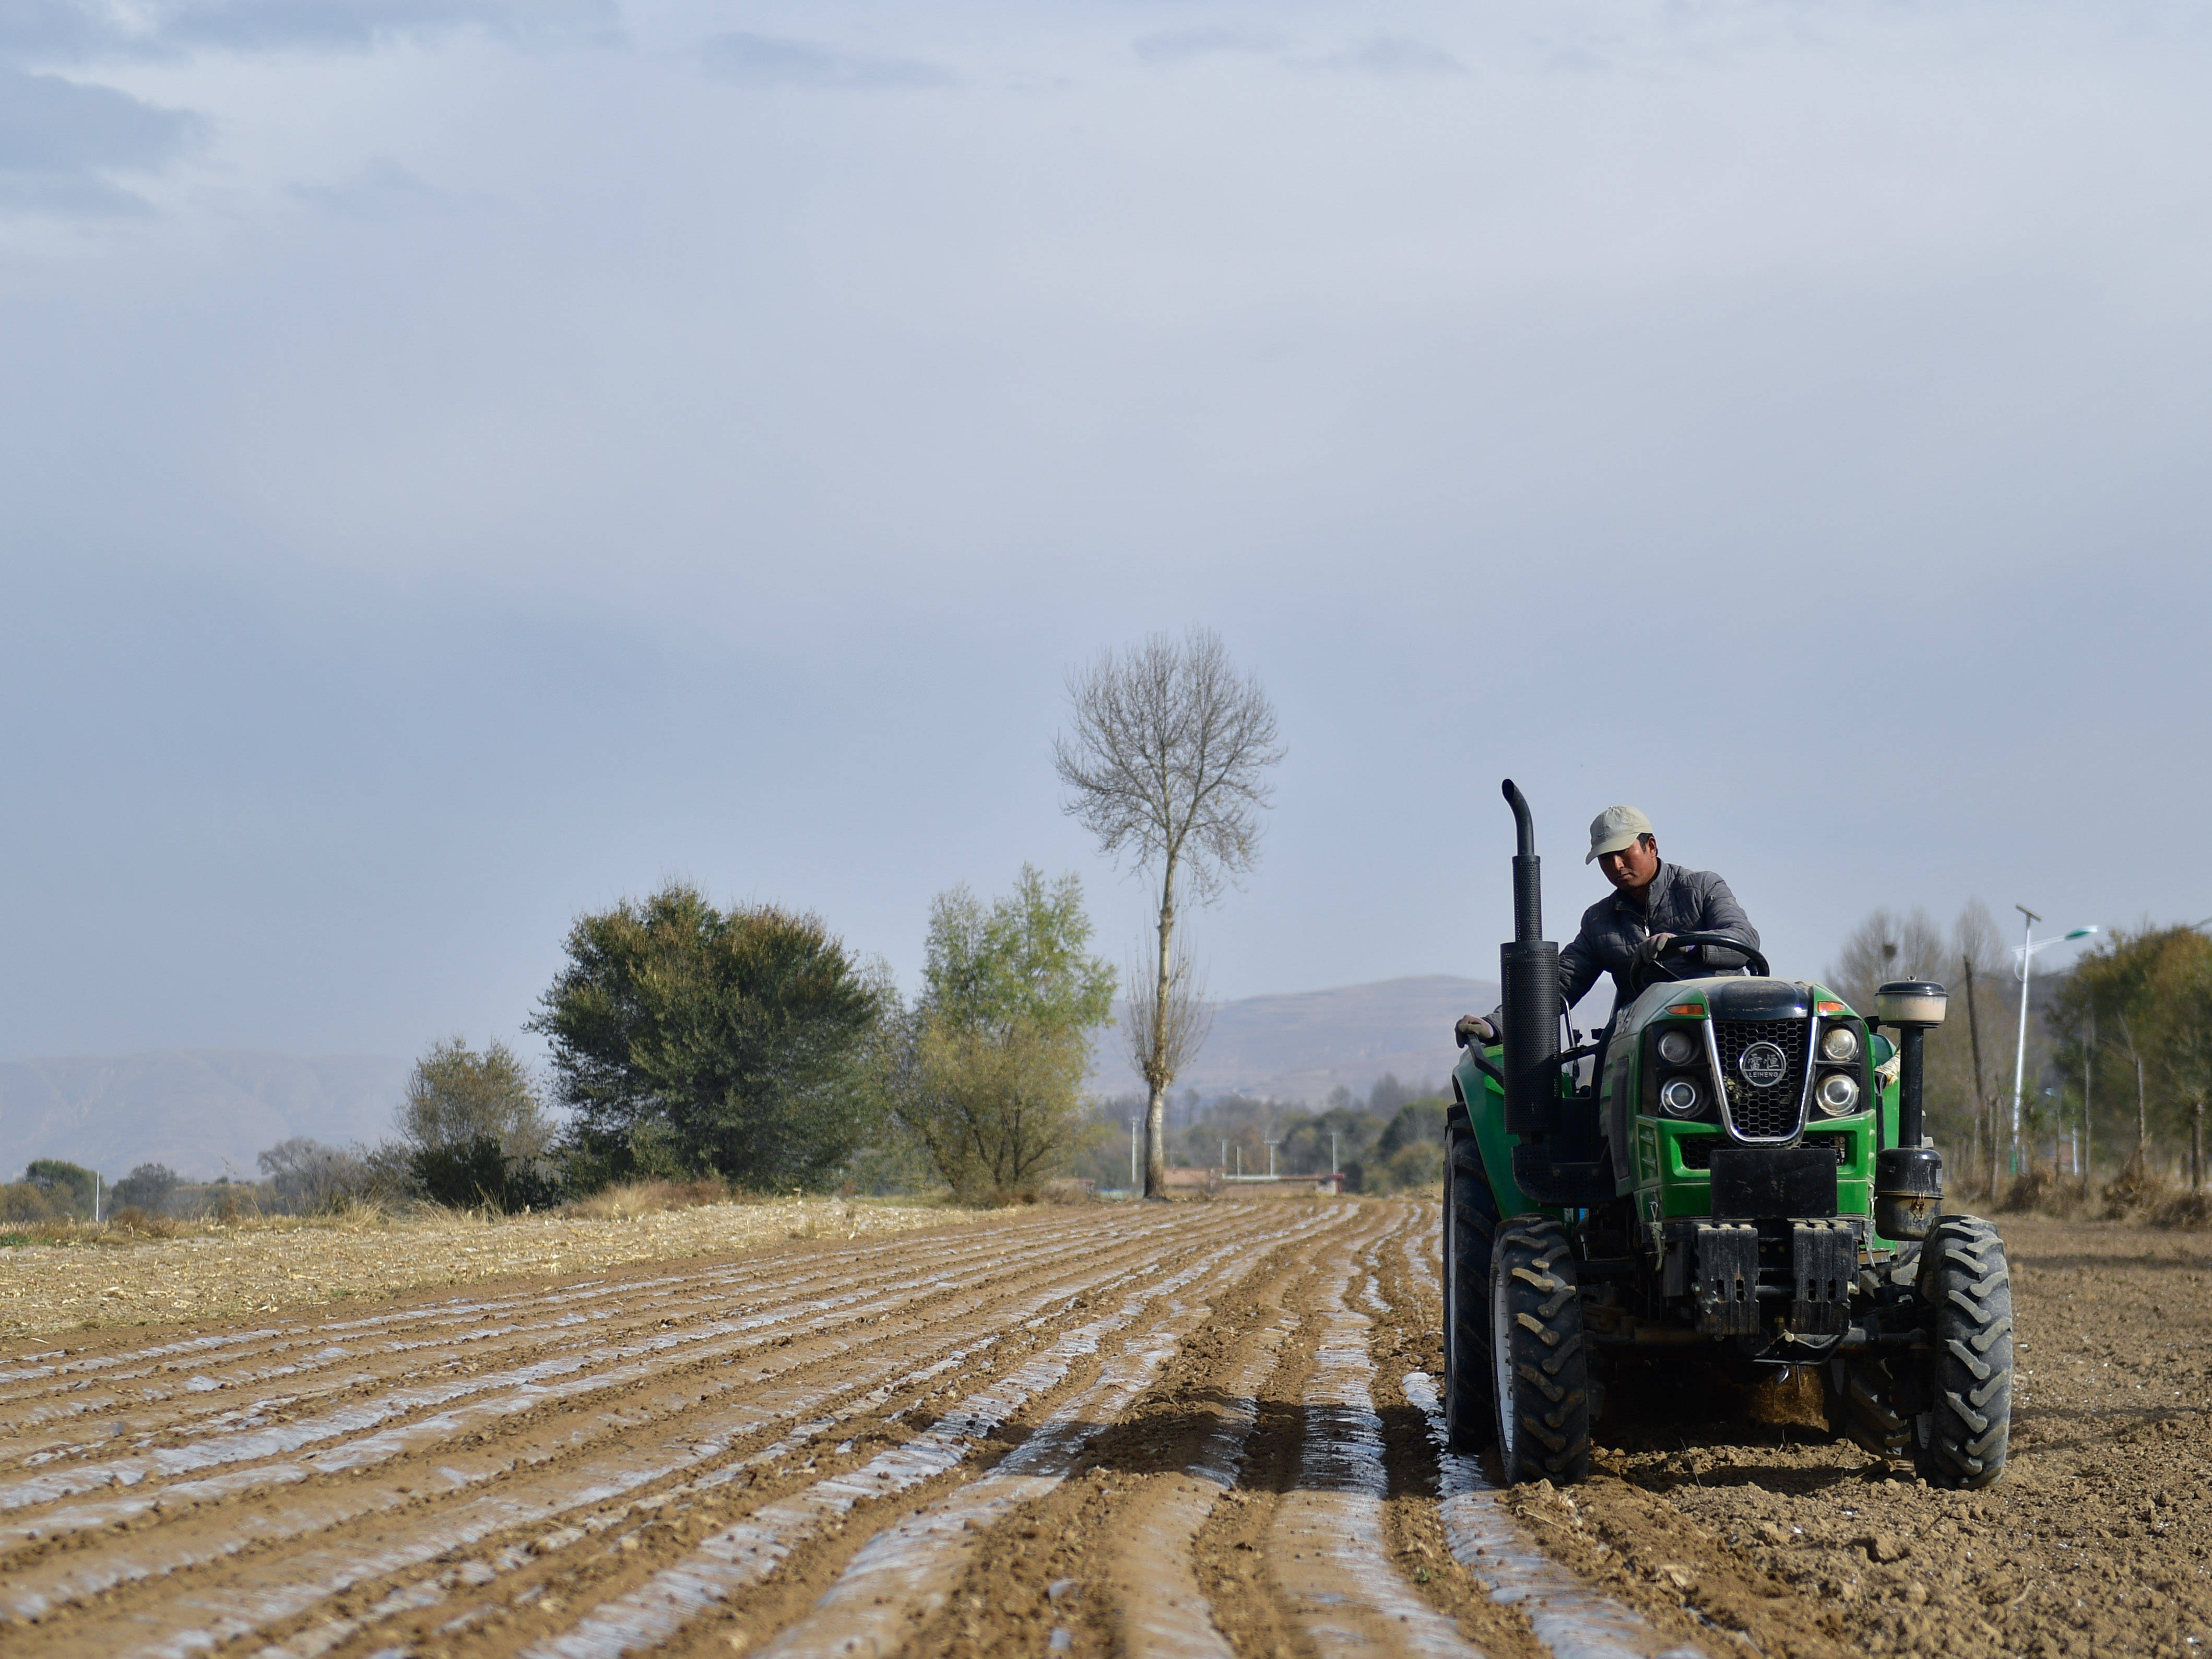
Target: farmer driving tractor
[{"x": 1623, "y": 935}]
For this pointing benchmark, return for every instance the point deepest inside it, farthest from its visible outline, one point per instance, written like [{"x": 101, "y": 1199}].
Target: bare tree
[
  {"x": 1885, "y": 947},
  {"x": 1167, "y": 766},
  {"x": 1169, "y": 1020}
]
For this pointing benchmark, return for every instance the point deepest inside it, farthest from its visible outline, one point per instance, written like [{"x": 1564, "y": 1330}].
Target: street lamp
[{"x": 2027, "y": 955}]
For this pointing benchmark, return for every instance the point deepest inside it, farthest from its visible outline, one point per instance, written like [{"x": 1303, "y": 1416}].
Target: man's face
[{"x": 1631, "y": 868}]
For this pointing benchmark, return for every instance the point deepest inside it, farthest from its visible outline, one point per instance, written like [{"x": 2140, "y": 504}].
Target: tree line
[
  {"x": 746, "y": 1045},
  {"x": 2118, "y": 1062}
]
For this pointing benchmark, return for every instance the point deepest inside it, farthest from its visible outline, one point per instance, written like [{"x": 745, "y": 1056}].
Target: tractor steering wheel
[{"x": 1671, "y": 962}]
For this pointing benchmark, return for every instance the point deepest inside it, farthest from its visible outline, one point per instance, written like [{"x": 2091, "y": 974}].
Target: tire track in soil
[{"x": 123, "y": 1621}]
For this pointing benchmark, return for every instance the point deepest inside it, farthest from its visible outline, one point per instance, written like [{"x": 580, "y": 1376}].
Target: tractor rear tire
[
  {"x": 1540, "y": 1366},
  {"x": 1470, "y": 1228},
  {"x": 1968, "y": 1422}
]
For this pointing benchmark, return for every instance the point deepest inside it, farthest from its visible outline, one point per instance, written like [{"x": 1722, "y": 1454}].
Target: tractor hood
[{"x": 1733, "y": 996}]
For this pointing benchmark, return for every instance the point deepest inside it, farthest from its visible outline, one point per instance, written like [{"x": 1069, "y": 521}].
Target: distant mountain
[
  {"x": 1302, "y": 1045},
  {"x": 203, "y": 1112}
]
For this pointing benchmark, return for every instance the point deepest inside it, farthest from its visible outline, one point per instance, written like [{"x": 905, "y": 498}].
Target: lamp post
[{"x": 2027, "y": 953}]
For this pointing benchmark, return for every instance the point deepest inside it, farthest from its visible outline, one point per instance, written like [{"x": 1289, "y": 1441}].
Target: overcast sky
[{"x": 463, "y": 463}]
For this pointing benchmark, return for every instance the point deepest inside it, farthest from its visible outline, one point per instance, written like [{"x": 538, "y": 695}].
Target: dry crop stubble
[{"x": 122, "y": 1277}]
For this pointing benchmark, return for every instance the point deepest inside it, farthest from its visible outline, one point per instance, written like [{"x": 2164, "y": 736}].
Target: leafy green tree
[
  {"x": 2181, "y": 986},
  {"x": 994, "y": 1054},
  {"x": 2103, "y": 1012},
  {"x": 70, "y": 1185},
  {"x": 687, "y": 1039},
  {"x": 146, "y": 1188},
  {"x": 476, "y": 1130}
]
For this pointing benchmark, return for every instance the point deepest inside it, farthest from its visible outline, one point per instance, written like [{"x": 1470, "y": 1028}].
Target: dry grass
[
  {"x": 2184, "y": 1209},
  {"x": 118, "y": 1274},
  {"x": 638, "y": 1198}
]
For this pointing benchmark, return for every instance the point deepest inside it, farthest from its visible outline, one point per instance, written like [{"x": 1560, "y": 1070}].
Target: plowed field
[{"x": 1198, "y": 1430}]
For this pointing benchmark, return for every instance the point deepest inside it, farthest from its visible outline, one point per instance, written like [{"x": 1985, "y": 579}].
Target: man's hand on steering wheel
[{"x": 1670, "y": 956}]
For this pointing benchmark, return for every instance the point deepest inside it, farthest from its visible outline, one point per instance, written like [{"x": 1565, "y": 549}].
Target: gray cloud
[
  {"x": 772, "y": 61},
  {"x": 383, "y": 189},
  {"x": 1178, "y": 45},
  {"x": 1396, "y": 55},
  {"x": 47, "y": 29},
  {"x": 60, "y": 140}
]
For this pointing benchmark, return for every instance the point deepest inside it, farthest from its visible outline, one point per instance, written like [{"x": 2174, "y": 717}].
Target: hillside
[
  {"x": 1301, "y": 1045},
  {"x": 203, "y": 1112}
]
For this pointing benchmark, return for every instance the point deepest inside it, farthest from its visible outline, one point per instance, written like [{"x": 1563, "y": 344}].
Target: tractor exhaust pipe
[{"x": 1529, "y": 968}]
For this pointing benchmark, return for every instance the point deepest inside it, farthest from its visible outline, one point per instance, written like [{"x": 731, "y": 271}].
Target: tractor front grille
[
  {"x": 1697, "y": 1151},
  {"x": 1769, "y": 1113}
]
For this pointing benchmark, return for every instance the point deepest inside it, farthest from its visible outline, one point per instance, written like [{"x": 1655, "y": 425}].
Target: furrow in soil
[
  {"x": 1328, "y": 1557},
  {"x": 906, "y": 1566},
  {"x": 416, "y": 1521}
]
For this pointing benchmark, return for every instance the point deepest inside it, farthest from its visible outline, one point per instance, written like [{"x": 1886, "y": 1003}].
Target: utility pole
[
  {"x": 2089, "y": 1141},
  {"x": 1271, "y": 1160},
  {"x": 2019, "y": 1053},
  {"x": 1133, "y": 1144},
  {"x": 1985, "y": 1108}
]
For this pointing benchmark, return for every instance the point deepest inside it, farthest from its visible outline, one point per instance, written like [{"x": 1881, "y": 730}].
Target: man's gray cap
[{"x": 1614, "y": 830}]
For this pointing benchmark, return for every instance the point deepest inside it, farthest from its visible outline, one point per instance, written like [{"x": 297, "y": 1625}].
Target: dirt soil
[
  {"x": 258, "y": 1266},
  {"x": 1727, "y": 1502},
  {"x": 1197, "y": 1429}
]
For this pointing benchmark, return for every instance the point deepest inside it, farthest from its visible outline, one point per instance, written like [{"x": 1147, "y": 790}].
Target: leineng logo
[{"x": 1763, "y": 1065}]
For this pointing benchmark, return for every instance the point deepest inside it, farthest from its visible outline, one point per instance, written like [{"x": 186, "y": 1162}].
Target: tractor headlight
[
  {"x": 1839, "y": 1044},
  {"x": 1677, "y": 1047},
  {"x": 1680, "y": 1097},
  {"x": 1839, "y": 1093}
]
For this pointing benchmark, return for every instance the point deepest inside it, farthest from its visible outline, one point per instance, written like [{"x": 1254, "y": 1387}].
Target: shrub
[
  {"x": 147, "y": 1188},
  {"x": 2184, "y": 1210},
  {"x": 467, "y": 1173},
  {"x": 311, "y": 1178}
]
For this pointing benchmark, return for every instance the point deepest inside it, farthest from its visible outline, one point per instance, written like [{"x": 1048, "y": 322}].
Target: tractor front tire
[
  {"x": 1967, "y": 1287},
  {"x": 1540, "y": 1368},
  {"x": 1470, "y": 1228}
]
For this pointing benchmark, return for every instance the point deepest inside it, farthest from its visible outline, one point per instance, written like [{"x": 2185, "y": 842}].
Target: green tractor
[{"x": 1737, "y": 1172}]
